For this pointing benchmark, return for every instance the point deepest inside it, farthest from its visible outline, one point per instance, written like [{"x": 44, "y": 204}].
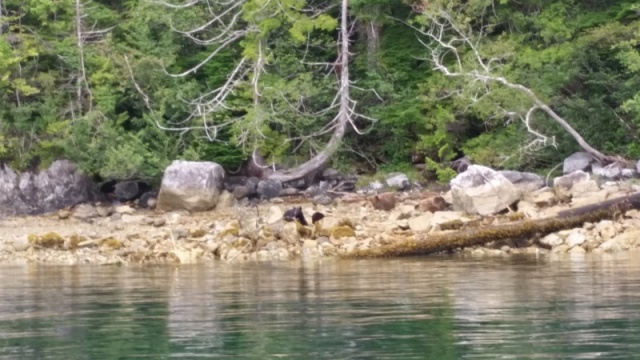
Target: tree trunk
[
  {"x": 373, "y": 30},
  {"x": 557, "y": 118},
  {"x": 342, "y": 118},
  {"x": 569, "y": 219},
  {"x": 442, "y": 24}
]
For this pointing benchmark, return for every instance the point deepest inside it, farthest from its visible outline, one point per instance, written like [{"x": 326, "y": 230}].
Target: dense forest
[{"x": 123, "y": 87}]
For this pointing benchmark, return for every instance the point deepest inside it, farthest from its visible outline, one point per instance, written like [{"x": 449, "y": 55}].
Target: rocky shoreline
[{"x": 101, "y": 234}]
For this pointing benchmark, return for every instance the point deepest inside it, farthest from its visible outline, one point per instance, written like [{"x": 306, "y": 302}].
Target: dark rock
[
  {"x": 190, "y": 185},
  {"x": 269, "y": 188},
  {"x": 461, "y": 164},
  {"x": 242, "y": 186},
  {"x": 233, "y": 181},
  {"x": 577, "y": 161},
  {"x": 108, "y": 187},
  {"x": 252, "y": 185},
  {"x": 347, "y": 184},
  {"x": 60, "y": 186},
  {"x": 126, "y": 190},
  {"x": 147, "y": 198}
]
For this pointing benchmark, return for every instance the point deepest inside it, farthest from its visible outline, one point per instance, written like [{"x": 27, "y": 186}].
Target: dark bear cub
[{"x": 295, "y": 214}]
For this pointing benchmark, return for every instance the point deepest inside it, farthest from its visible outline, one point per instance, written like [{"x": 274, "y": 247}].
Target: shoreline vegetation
[
  {"x": 351, "y": 228},
  {"x": 122, "y": 89}
]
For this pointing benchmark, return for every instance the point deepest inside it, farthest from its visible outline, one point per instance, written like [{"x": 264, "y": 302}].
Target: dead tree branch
[
  {"x": 456, "y": 52},
  {"x": 226, "y": 26}
]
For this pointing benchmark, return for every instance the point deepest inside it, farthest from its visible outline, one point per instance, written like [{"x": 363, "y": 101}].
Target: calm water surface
[{"x": 435, "y": 308}]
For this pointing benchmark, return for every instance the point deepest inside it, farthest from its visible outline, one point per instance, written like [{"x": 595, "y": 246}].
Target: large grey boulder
[
  {"x": 481, "y": 190},
  {"x": 190, "y": 185},
  {"x": 61, "y": 185},
  {"x": 525, "y": 182},
  {"x": 577, "y": 161}
]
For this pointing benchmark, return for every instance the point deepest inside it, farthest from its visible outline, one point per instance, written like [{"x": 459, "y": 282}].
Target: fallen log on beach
[{"x": 424, "y": 244}]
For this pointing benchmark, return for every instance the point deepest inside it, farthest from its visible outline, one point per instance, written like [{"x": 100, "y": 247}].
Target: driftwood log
[{"x": 425, "y": 244}]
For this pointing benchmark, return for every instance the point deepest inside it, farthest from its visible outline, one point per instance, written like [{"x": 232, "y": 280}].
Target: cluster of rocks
[
  {"x": 121, "y": 234},
  {"x": 321, "y": 190},
  {"x": 59, "y": 186},
  {"x": 200, "y": 216},
  {"x": 614, "y": 171}
]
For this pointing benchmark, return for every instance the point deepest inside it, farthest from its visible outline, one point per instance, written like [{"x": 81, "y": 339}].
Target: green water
[{"x": 442, "y": 308}]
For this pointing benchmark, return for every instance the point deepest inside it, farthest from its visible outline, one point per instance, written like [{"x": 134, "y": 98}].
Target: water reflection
[{"x": 435, "y": 308}]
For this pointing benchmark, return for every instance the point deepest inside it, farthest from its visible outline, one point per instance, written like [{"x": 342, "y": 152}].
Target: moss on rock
[
  {"x": 340, "y": 231},
  {"x": 50, "y": 240},
  {"x": 111, "y": 243},
  {"x": 75, "y": 240}
]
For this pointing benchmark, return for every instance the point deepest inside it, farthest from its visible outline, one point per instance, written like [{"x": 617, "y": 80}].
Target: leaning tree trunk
[
  {"x": 557, "y": 118},
  {"x": 453, "y": 43},
  {"x": 425, "y": 244},
  {"x": 342, "y": 118}
]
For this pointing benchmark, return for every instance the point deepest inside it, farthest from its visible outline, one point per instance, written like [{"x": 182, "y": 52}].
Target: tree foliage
[{"x": 97, "y": 91}]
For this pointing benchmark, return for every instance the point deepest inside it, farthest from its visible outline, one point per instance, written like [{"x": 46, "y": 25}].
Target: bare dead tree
[
  {"x": 84, "y": 35},
  {"x": 224, "y": 28},
  {"x": 447, "y": 40},
  {"x": 346, "y": 112}
]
